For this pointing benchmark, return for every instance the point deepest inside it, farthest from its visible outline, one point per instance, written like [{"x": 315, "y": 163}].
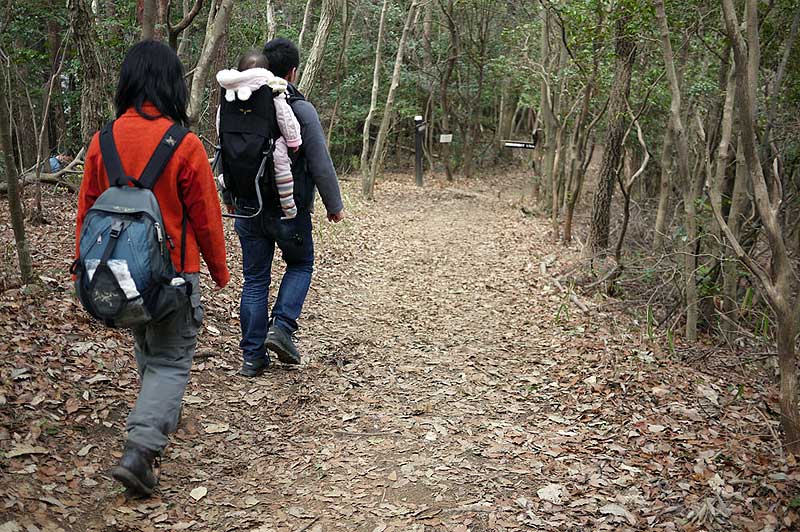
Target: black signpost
[{"x": 419, "y": 135}]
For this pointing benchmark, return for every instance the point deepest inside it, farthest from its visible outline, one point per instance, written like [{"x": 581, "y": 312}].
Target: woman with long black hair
[{"x": 151, "y": 97}]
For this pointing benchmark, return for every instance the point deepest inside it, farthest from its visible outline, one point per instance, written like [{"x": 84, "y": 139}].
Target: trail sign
[
  {"x": 445, "y": 138},
  {"x": 519, "y": 144}
]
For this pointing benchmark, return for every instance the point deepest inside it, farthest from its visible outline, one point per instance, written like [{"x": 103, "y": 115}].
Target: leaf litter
[{"x": 443, "y": 387}]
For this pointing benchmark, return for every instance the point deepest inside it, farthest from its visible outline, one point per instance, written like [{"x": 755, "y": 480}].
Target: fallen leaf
[
  {"x": 192, "y": 400},
  {"x": 22, "y": 449},
  {"x": 73, "y": 405},
  {"x": 553, "y": 493},
  {"x": 656, "y": 428},
  {"x": 198, "y": 493},
  {"x": 709, "y": 393},
  {"x": 621, "y": 511},
  {"x": 85, "y": 450},
  {"x": 215, "y": 428},
  {"x": 300, "y": 513},
  {"x": 251, "y": 501},
  {"x": 53, "y": 501}
]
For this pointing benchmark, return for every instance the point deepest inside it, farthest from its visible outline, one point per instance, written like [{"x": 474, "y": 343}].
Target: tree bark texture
[
  {"x": 216, "y": 29},
  {"x": 777, "y": 283},
  {"x": 615, "y": 130},
  {"x": 388, "y": 110},
  {"x": 373, "y": 103},
  {"x": 95, "y": 99},
  {"x": 686, "y": 182},
  {"x": 306, "y": 21},
  {"x": 12, "y": 184},
  {"x": 149, "y": 17},
  {"x": 313, "y": 64}
]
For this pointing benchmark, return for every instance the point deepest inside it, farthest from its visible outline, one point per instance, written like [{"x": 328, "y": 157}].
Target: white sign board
[{"x": 446, "y": 139}]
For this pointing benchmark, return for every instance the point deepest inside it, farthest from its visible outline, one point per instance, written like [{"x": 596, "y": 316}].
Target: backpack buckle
[{"x": 116, "y": 229}]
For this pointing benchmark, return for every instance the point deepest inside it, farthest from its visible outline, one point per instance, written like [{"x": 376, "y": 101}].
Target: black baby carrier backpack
[
  {"x": 247, "y": 133},
  {"x": 124, "y": 272}
]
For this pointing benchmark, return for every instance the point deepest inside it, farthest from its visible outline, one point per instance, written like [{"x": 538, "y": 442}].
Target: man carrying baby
[{"x": 311, "y": 169}]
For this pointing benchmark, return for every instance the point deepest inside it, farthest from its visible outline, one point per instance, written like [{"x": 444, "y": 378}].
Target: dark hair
[
  {"x": 282, "y": 55},
  {"x": 152, "y": 72},
  {"x": 253, "y": 59}
]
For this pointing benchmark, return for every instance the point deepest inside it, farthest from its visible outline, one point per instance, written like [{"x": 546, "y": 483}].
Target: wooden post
[{"x": 419, "y": 134}]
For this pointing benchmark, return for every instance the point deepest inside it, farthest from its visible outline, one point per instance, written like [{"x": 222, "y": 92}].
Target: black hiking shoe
[
  {"x": 135, "y": 470},
  {"x": 254, "y": 368},
  {"x": 280, "y": 341}
]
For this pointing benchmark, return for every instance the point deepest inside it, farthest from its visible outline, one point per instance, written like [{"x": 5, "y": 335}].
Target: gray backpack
[{"x": 124, "y": 273}]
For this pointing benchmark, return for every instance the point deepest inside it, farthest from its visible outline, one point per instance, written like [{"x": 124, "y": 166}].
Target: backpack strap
[
  {"x": 108, "y": 149},
  {"x": 155, "y": 166},
  {"x": 158, "y": 161}
]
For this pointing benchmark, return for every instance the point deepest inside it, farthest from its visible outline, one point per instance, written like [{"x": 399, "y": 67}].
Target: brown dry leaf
[
  {"x": 23, "y": 449},
  {"x": 72, "y": 405},
  {"x": 618, "y": 510}
]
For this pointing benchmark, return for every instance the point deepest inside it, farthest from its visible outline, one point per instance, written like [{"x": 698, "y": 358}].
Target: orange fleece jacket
[{"x": 187, "y": 177}]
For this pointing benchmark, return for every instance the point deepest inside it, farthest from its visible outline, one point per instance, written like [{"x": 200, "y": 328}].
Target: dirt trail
[{"x": 447, "y": 385}]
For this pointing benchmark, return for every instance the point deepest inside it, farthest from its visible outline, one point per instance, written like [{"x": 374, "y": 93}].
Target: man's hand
[
  {"x": 230, "y": 208},
  {"x": 336, "y": 217}
]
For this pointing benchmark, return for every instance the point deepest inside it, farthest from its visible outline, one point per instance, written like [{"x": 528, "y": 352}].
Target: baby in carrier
[{"x": 253, "y": 74}]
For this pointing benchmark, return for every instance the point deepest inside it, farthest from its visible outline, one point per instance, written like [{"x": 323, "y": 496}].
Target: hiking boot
[
  {"x": 254, "y": 368},
  {"x": 280, "y": 341},
  {"x": 135, "y": 470}
]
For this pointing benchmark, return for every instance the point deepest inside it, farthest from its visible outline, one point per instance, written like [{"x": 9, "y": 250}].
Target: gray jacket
[{"x": 315, "y": 151}]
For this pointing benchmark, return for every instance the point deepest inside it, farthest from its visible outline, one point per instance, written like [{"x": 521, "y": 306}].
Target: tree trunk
[
  {"x": 775, "y": 86},
  {"x": 314, "y": 62},
  {"x": 341, "y": 68},
  {"x": 452, "y": 57},
  {"x": 149, "y": 16},
  {"x": 59, "y": 121},
  {"x": 547, "y": 110},
  {"x": 664, "y": 190},
  {"x": 739, "y": 200},
  {"x": 377, "y": 153},
  {"x": 716, "y": 185},
  {"x": 615, "y": 130},
  {"x": 95, "y": 102},
  {"x": 373, "y": 104},
  {"x": 306, "y": 21},
  {"x": 217, "y": 27},
  {"x": 777, "y": 282},
  {"x": 12, "y": 180},
  {"x": 271, "y": 25},
  {"x": 687, "y": 183}
]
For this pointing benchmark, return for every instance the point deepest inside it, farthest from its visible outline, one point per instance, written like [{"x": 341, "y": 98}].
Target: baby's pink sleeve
[{"x": 287, "y": 122}]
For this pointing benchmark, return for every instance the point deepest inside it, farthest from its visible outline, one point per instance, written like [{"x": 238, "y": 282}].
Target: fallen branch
[
  {"x": 30, "y": 175},
  {"x": 45, "y": 178},
  {"x": 572, "y": 297}
]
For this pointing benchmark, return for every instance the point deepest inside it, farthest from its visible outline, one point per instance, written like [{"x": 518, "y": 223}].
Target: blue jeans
[{"x": 258, "y": 237}]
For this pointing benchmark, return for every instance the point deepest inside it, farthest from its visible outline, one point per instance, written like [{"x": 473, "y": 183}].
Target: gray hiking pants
[{"x": 164, "y": 353}]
